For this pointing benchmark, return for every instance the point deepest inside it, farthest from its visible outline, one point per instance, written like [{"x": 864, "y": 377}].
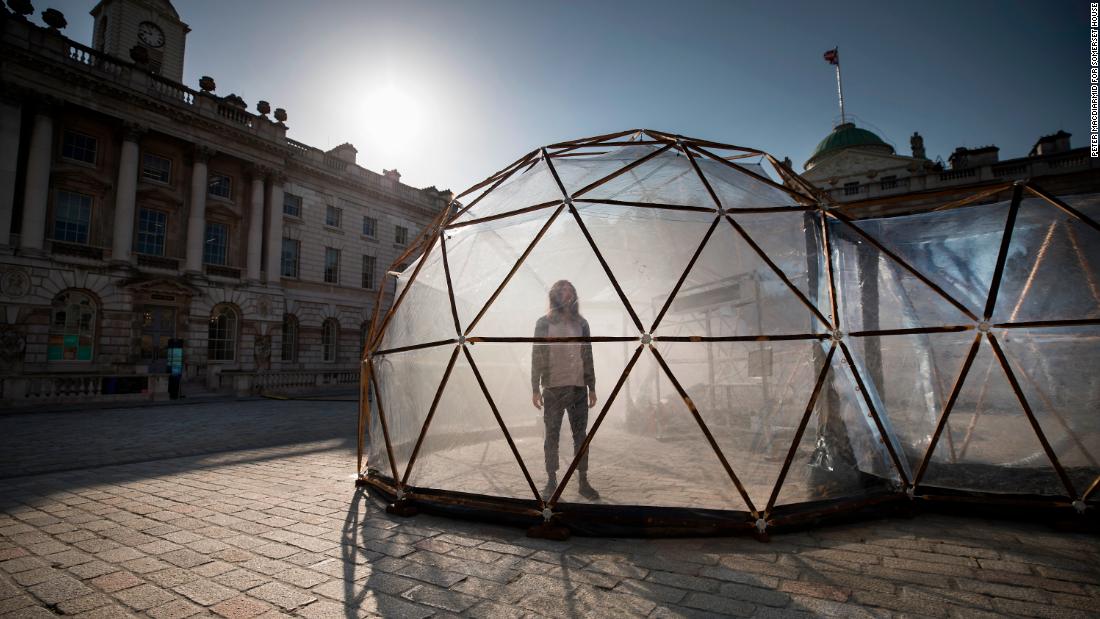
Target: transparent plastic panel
[
  {"x": 738, "y": 189},
  {"x": 626, "y": 236},
  {"x": 1053, "y": 267},
  {"x": 377, "y": 458},
  {"x": 464, "y": 448},
  {"x": 668, "y": 178},
  {"x": 1056, "y": 369},
  {"x": 425, "y": 313},
  {"x": 650, "y": 451},
  {"x": 956, "y": 249},
  {"x": 407, "y": 382},
  {"x": 481, "y": 255},
  {"x": 506, "y": 369},
  {"x": 876, "y": 292},
  {"x": 563, "y": 253},
  {"x": 992, "y": 446},
  {"x": 841, "y": 454},
  {"x": 751, "y": 395},
  {"x": 911, "y": 377},
  {"x": 793, "y": 242},
  {"x": 731, "y": 291},
  {"x": 530, "y": 185}
]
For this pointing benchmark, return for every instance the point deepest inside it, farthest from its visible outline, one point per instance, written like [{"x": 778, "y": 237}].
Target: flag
[{"x": 832, "y": 56}]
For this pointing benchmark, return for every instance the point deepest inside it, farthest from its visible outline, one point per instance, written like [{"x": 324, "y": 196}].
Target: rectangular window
[
  {"x": 152, "y": 228},
  {"x": 332, "y": 265},
  {"x": 332, "y": 216},
  {"x": 401, "y": 235},
  {"x": 851, "y": 189},
  {"x": 292, "y": 205},
  {"x": 220, "y": 186},
  {"x": 72, "y": 217},
  {"x": 78, "y": 147},
  {"x": 156, "y": 168},
  {"x": 369, "y": 265},
  {"x": 370, "y": 226},
  {"x": 217, "y": 242},
  {"x": 292, "y": 249}
]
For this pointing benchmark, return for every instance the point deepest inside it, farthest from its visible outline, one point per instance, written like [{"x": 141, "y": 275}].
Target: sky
[{"x": 450, "y": 91}]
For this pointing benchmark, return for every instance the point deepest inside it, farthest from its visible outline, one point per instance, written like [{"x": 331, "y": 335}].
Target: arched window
[
  {"x": 72, "y": 327},
  {"x": 290, "y": 337},
  {"x": 221, "y": 344},
  {"x": 330, "y": 334}
]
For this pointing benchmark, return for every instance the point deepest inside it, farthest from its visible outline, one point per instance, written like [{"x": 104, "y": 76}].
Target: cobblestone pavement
[{"x": 281, "y": 531}]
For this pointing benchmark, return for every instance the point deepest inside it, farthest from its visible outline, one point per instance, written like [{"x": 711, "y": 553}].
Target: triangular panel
[
  {"x": 752, "y": 396},
  {"x": 529, "y": 185},
  {"x": 626, "y": 237},
  {"x": 956, "y": 249},
  {"x": 668, "y": 178},
  {"x": 1056, "y": 369},
  {"x": 424, "y": 314},
  {"x": 731, "y": 291},
  {"x": 792, "y": 241},
  {"x": 407, "y": 383},
  {"x": 993, "y": 447},
  {"x": 506, "y": 369},
  {"x": 1053, "y": 267},
  {"x": 650, "y": 451},
  {"x": 911, "y": 377},
  {"x": 465, "y": 449},
  {"x": 841, "y": 454},
  {"x": 563, "y": 253},
  {"x": 481, "y": 255},
  {"x": 876, "y": 292},
  {"x": 736, "y": 188}
]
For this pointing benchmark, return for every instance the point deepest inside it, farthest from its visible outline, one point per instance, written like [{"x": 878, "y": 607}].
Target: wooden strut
[
  {"x": 400, "y": 349},
  {"x": 844, "y": 219},
  {"x": 706, "y": 431},
  {"x": 552, "y": 340},
  {"x": 364, "y": 413},
  {"x": 385, "y": 428},
  {"x": 514, "y": 269},
  {"x": 1038, "y": 324},
  {"x": 886, "y": 438},
  {"x": 1059, "y": 204},
  {"x": 748, "y": 239},
  {"x": 651, "y": 205},
  {"x": 801, "y": 429},
  {"x": 741, "y": 338},
  {"x": 683, "y": 276},
  {"x": 623, "y": 170},
  {"x": 803, "y": 199},
  {"x": 500, "y": 421},
  {"x": 1002, "y": 254},
  {"x": 1090, "y": 276},
  {"x": 827, "y": 249},
  {"x": 912, "y": 331},
  {"x": 973, "y": 198},
  {"x": 450, "y": 285},
  {"x": 951, "y": 399},
  {"x": 431, "y": 415},
  {"x": 506, "y": 214},
  {"x": 595, "y": 426},
  {"x": 1092, "y": 489},
  {"x": 674, "y": 137},
  {"x": 1030, "y": 415}
]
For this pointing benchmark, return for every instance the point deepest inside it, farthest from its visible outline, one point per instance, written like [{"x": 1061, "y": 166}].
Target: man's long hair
[{"x": 560, "y": 308}]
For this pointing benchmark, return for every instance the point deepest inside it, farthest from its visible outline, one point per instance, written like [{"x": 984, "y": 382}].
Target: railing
[
  {"x": 47, "y": 388},
  {"x": 250, "y": 382},
  {"x": 298, "y": 146},
  {"x": 951, "y": 175},
  {"x": 1017, "y": 169},
  {"x": 172, "y": 90},
  {"x": 1072, "y": 161},
  {"x": 235, "y": 114}
]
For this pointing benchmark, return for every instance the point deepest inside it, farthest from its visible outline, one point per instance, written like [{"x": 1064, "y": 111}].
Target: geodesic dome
[{"x": 761, "y": 356}]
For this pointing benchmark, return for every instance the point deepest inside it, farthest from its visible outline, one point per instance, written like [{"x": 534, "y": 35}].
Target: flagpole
[{"x": 839, "y": 87}]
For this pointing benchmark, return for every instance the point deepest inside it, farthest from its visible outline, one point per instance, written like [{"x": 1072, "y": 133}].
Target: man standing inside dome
[{"x": 565, "y": 374}]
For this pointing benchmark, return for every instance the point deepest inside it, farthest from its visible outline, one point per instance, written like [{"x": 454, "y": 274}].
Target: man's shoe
[{"x": 587, "y": 491}]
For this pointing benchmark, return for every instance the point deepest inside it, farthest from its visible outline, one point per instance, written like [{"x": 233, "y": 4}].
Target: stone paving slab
[{"x": 281, "y": 531}]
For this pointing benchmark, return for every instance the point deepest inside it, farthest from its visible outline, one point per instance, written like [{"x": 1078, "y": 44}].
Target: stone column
[
  {"x": 126, "y": 194},
  {"x": 10, "y": 121},
  {"x": 275, "y": 229},
  {"x": 32, "y": 234},
  {"x": 196, "y": 220},
  {"x": 256, "y": 224}
]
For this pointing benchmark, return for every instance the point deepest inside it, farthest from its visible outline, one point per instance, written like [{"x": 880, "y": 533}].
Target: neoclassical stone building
[{"x": 134, "y": 210}]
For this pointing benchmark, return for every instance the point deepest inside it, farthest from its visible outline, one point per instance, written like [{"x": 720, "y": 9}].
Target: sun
[{"x": 395, "y": 115}]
